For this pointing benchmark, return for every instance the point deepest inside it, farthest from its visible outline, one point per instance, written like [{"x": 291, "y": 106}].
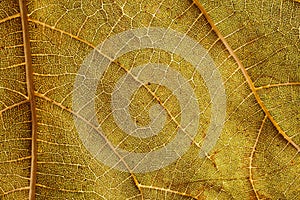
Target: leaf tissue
[{"x": 145, "y": 100}]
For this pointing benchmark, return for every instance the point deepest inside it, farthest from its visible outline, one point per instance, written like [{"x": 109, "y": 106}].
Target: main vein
[{"x": 31, "y": 98}]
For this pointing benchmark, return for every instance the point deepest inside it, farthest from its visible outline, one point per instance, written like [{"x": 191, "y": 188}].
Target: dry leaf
[{"x": 149, "y": 99}]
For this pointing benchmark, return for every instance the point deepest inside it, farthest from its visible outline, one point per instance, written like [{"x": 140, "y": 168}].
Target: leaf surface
[{"x": 254, "y": 47}]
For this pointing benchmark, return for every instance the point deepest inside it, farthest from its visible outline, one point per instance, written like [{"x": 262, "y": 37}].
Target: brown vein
[
  {"x": 14, "y": 91},
  {"x": 246, "y": 75},
  {"x": 13, "y": 106},
  {"x": 168, "y": 191},
  {"x": 16, "y": 160},
  {"x": 251, "y": 179},
  {"x": 267, "y": 58},
  {"x": 57, "y": 144},
  {"x": 13, "y": 66},
  {"x": 71, "y": 191},
  {"x": 30, "y": 91},
  {"x": 277, "y": 85},
  {"x": 10, "y": 17},
  {"x": 14, "y": 190},
  {"x": 62, "y": 31},
  {"x": 62, "y": 163}
]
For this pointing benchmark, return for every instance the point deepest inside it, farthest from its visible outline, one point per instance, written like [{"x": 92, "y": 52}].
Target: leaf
[{"x": 64, "y": 133}]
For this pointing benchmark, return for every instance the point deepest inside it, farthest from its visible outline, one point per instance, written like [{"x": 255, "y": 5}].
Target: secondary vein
[{"x": 246, "y": 75}]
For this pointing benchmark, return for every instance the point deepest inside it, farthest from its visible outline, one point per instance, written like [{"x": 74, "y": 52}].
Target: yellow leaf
[{"x": 149, "y": 99}]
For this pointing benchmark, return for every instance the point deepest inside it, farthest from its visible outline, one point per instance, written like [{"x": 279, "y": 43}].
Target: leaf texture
[{"x": 50, "y": 146}]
